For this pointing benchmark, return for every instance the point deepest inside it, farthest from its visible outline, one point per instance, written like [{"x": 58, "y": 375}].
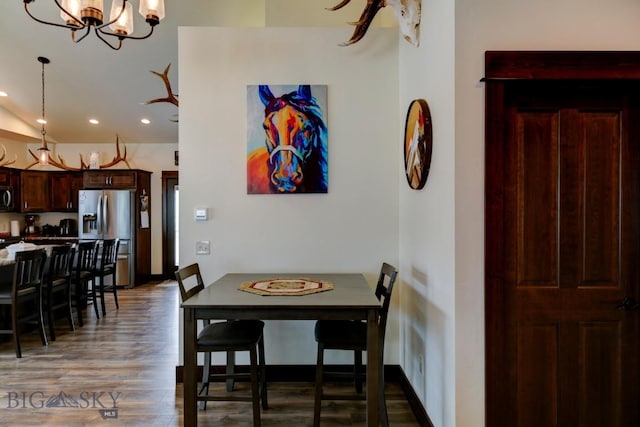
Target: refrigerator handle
[
  {"x": 99, "y": 210},
  {"x": 106, "y": 214}
]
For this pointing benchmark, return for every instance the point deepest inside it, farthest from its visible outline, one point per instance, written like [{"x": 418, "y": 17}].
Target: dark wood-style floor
[{"x": 120, "y": 370}]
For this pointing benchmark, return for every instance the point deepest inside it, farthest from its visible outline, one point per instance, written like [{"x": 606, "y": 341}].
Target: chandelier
[
  {"x": 43, "y": 151},
  {"x": 83, "y": 15}
]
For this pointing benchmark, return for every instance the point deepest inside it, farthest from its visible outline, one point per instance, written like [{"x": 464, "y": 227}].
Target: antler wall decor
[
  {"x": 4, "y": 162},
  {"x": 60, "y": 163},
  {"x": 171, "y": 98},
  {"x": 408, "y": 13}
]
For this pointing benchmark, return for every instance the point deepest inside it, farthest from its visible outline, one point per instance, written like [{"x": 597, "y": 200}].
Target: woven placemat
[{"x": 286, "y": 286}]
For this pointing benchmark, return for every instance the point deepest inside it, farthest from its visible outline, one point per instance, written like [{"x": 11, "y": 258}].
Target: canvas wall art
[{"x": 287, "y": 139}]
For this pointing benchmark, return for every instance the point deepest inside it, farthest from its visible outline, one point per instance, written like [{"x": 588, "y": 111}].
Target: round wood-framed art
[{"x": 417, "y": 143}]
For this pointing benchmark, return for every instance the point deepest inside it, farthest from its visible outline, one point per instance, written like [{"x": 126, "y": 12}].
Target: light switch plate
[
  {"x": 200, "y": 214},
  {"x": 203, "y": 247}
]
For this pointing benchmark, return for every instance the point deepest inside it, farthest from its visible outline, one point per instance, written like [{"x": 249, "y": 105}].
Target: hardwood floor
[{"x": 120, "y": 370}]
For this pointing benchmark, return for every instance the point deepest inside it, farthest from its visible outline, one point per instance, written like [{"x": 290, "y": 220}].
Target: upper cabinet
[
  {"x": 34, "y": 191},
  {"x": 9, "y": 177},
  {"x": 63, "y": 191},
  {"x": 110, "y": 178}
]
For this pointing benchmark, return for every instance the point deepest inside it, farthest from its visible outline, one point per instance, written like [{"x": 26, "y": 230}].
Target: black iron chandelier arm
[
  {"x": 55, "y": 24},
  {"x": 86, "y": 33},
  {"x": 107, "y": 41},
  {"x": 123, "y": 36}
]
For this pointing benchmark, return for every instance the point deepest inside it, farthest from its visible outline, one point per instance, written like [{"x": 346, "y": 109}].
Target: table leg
[
  {"x": 373, "y": 361},
  {"x": 190, "y": 364}
]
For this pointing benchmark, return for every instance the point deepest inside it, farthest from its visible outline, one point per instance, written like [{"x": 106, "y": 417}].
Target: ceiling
[{"x": 89, "y": 79}]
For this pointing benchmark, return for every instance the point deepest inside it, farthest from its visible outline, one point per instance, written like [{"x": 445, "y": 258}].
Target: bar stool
[
  {"x": 228, "y": 336},
  {"x": 352, "y": 336}
]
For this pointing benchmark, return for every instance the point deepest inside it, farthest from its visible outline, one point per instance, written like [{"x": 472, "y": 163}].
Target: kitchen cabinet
[
  {"x": 110, "y": 178},
  {"x": 34, "y": 191},
  {"x": 9, "y": 177},
  {"x": 63, "y": 191},
  {"x": 9, "y": 183}
]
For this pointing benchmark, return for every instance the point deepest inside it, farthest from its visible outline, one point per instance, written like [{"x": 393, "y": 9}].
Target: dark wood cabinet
[
  {"x": 63, "y": 191},
  {"x": 9, "y": 188},
  {"x": 9, "y": 177},
  {"x": 110, "y": 179},
  {"x": 34, "y": 191}
]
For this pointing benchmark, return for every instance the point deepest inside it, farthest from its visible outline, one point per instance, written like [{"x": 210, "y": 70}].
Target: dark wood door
[
  {"x": 169, "y": 224},
  {"x": 563, "y": 245}
]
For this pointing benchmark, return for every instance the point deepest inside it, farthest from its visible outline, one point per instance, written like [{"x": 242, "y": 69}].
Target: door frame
[{"x": 501, "y": 68}]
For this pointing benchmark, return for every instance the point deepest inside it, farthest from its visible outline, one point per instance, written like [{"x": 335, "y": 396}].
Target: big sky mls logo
[{"x": 105, "y": 402}]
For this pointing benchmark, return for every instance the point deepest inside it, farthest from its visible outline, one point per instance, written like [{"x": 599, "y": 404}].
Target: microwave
[{"x": 6, "y": 198}]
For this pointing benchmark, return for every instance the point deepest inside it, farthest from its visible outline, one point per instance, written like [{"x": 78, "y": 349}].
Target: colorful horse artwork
[{"x": 292, "y": 153}]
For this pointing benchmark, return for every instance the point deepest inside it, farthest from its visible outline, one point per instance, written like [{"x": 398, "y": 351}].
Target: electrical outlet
[{"x": 203, "y": 247}]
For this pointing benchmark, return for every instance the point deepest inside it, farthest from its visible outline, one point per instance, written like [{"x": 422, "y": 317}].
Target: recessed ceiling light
[
  {"x": 94, "y": 121},
  {"x": 3, "y": 93},
  {"x": 145, "y": 121},
  {"x": 42, "y": 121}
]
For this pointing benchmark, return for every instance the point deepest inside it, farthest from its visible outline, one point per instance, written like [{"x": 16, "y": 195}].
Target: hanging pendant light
[
  {"x": 43, "y": 151},
  {"x": 86, "y": 15}
]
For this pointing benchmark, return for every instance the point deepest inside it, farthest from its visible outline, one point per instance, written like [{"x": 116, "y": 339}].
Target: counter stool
[
  {"x": 228, "y": 336},
  {"x": 352, "y": 336},
  {"x": 28, "y": 272}
]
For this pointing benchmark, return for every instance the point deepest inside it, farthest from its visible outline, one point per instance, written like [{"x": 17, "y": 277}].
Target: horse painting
[{"x": 292, "y": 157}]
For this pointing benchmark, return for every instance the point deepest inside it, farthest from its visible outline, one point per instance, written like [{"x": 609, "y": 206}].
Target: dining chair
[
  {"x": 83, "y": 274},
  {"x": 58, "y": 285},
  {"x": 227, "y": 336},
  {"x": 105, "y": 268},
  {"x": 26, "y": 288},
  {"x": 352, "y": 336}
]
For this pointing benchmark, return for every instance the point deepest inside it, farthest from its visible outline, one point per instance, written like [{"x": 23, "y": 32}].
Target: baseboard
[{"x": 306, "y": 373}]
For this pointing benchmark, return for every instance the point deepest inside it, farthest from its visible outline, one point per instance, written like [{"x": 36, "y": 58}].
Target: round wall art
[{"x": 417, "y": 143}]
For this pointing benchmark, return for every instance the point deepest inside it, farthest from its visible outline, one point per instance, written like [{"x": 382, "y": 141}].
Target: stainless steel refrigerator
[{"x": 110, "y": 214}]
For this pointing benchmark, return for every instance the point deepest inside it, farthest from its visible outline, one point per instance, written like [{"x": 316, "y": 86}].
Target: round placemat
[{"x": 286, "y": 286}]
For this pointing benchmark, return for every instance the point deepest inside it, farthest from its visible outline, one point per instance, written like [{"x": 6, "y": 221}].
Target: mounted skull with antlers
[{"x": 407, "y": 12}]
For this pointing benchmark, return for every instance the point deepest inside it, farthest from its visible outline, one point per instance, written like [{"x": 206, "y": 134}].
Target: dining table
[{"x": 348, "y": 297}]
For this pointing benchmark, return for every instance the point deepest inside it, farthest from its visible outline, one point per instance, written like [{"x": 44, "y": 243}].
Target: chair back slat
[
  {"x": 87, "y": 254},
  {"x": 60, "y": 262},
  {"x": 28, "y": 270},
  {"x": 189, "y": 275},
  {"x": 109, "y": 254}
]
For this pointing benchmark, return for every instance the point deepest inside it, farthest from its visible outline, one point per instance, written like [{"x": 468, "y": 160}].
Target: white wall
[
  {"x": 352, "y": 228},
  {"x": 427, "y": 220}
]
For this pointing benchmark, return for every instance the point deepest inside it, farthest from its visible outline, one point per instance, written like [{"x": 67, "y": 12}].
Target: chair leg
[
  {"x": 14, "y": 325},
  {"x": 263, "y": 374},
  {"x": 52, "y": 331},
  {"x": 69, "y": 308},
  {"x": 357, "y": 370},
  {"x": 79, "y": 299},
  {"x": 115, "y": 292},
  {"x": 382, "y": 402},
  {"x": 205, "y": 380},
  {"x": 231, "y": 368},
  {"x": 94, "y": 297},
  {"x": 104, "y": 309},
  {"x": 318, "y": 388},
  {"x": 43, "y": 333},
  {"x": 255, "y": 390}
]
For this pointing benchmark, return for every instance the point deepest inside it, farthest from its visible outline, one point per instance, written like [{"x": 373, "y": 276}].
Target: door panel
[{"x": 562, "y": 244}]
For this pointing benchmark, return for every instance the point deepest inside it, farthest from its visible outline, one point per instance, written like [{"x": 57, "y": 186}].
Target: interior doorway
[{"x": 170, "y": 224}]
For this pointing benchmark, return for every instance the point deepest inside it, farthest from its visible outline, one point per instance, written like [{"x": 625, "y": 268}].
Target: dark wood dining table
[{"x": 350, "y": 299}]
